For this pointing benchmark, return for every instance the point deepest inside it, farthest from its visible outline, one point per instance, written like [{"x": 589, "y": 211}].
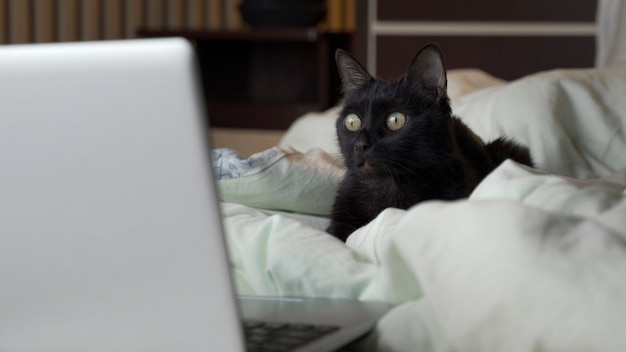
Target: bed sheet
[{"x": 533, "y": 260}]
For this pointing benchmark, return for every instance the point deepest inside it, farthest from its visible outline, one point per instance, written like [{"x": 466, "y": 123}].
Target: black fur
[{"x": 433, "y": 156}]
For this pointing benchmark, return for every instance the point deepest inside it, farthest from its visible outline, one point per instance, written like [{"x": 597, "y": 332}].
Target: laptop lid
[{"x": 111, "y": 236}]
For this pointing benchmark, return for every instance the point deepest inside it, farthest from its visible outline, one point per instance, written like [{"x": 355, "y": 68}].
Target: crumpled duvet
[{"x": 541, "y": 264}]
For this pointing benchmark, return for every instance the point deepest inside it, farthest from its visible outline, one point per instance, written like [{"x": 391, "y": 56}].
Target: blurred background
[
  {"x": 36, "y": 21},
  {"x": 249, "y": 78},
  {"x": 267, "y": 62}
]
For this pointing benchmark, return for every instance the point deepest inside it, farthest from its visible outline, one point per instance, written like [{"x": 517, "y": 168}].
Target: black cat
[{"x": 401, "y": 144}]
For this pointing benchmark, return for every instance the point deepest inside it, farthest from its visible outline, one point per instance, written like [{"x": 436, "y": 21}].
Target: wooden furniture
[
  {"x": 265, "y": 78},
  {"x": 507, "y": 39}
]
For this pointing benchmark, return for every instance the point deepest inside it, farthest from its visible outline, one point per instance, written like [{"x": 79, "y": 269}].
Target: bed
[{"x": 533, "y": 260}]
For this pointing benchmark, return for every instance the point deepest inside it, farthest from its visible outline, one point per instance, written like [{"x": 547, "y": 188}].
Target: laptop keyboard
[{"x": 264, "y": 336}]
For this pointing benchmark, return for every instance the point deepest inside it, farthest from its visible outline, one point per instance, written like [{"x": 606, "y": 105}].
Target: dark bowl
[{"x": 282, "y": 14}]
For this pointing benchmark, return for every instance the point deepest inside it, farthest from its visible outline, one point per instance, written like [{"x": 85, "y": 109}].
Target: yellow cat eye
[
  {"x": 352, "y": 122},
  {"x": 396, "y": 121}
]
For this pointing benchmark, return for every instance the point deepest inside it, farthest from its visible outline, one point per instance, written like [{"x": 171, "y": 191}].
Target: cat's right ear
[
  {"x": 353, "y": 75},
  {"x": 428, "y": 71}
]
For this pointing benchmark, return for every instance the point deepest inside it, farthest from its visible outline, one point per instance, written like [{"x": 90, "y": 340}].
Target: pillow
[
  {"x": 279, "y": 179},
  {"x": 573, "y": 121},
  {"x": 313, "y": 130}
]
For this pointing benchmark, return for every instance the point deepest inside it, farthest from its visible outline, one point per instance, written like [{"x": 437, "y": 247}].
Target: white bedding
[{"x": 534, "y": 260}]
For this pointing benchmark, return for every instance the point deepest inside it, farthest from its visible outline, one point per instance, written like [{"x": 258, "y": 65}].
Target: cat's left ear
[
  {"x": 428, "y": 71},
  {"x": 353, "y": 75}
]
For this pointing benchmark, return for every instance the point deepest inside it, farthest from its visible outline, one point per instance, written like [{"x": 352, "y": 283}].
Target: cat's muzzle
[{"x": 369, "y": 169}]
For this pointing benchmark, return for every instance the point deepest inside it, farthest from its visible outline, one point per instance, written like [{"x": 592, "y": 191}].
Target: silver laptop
[{"x": 111, "y": 237}]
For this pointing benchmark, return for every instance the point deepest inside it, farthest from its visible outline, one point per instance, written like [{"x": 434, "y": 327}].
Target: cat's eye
[
  {"x": 396, "y": 121},
  {"x": 352, "y": 122}
]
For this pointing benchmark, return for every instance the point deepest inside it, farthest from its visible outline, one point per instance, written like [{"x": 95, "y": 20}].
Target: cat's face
[{"x": 393, "y": 129}]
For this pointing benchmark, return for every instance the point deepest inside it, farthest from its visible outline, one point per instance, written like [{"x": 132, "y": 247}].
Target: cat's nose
[
  {"x": 362, "y": 142},
  {"x": 361, "y": 145}
]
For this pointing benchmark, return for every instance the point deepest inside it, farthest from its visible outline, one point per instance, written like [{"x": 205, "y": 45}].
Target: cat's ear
[
  {"x": 428, "y": 71},
  {"x": 353, "y": 75}
]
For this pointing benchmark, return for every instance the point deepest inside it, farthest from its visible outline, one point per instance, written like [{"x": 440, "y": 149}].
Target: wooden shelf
[
  {"x": 265, "y": 78},
  {"x": 257, "y": 35}
]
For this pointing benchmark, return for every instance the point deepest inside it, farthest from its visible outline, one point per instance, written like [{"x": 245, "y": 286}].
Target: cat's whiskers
[
  {"x": 427, "y": 168},
  {"x": 395, "y": 171},
  {"x": 392, "y": 172}
]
